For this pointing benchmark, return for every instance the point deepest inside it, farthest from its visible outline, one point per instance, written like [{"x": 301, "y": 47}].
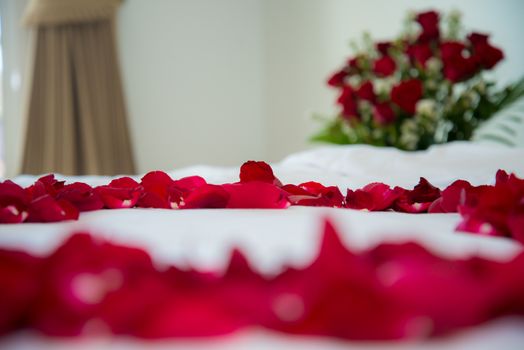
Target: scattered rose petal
[
  {"x": 120, "y": 193},
  {"x": 258, "y": 171}
]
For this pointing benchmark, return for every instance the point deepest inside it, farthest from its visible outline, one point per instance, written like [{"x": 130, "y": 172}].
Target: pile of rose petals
[
  {"x": 496, "y": 210},
  {"x": 392, "y": 291}
]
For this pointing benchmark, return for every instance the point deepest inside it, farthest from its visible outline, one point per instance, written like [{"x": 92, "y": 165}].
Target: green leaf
[{"x": 332, "y": 133}]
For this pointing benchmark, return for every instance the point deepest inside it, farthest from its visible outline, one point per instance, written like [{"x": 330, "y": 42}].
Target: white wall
[
  {"x": 222, "y": 81},
  {"x": 15, "y": 45},
  {"x": 193, "y": 73}
]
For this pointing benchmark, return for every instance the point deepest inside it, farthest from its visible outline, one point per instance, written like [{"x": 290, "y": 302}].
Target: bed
[{"x": 204, "y": 238}]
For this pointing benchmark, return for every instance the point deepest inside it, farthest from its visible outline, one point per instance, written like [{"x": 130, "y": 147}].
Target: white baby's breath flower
[
  {"x": 455, "y": 15},
  {"x": 409, "y": 140},
  {"x": 409, "y": 135},
  {"x": 354, "y": 80},
  {"x": 409, "y": 125},
  {"x": 481, "y": 87},
  {"x": 432, "y": 85},
  {"x": 426, "y": 107},
  {"x": 469, "y": 99},
  {"x": 433, "y": 65},
  {"x": 411, "y": 15},
  {"x": 383, "y": 86}
]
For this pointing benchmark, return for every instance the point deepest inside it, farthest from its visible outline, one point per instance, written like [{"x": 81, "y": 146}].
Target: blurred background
[{"x": 223, "y": 81}]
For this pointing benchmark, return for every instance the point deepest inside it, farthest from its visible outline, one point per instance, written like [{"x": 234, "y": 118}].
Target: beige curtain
[{"x": 76, "y": 122}]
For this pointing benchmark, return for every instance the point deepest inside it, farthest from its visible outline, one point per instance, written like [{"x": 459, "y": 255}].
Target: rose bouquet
[{"x": 425, "y": 87}]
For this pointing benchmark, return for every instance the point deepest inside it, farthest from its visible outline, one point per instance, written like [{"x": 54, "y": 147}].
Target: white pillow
[{"x": 505, "y": 127}]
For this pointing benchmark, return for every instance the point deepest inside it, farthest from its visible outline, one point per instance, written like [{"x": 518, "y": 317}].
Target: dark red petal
[
  {"x": 118, "y": 198},
  {"x": 47, "y": 209},
  {"x": 516, "y": 224},
  {"x": 258, "y": 171},
  {"x": 206, "y": 196},
  {"x": 384, "y": 66},
  {"x": 156, "y": 186},
  {"x": 189, "y": 183},
  {"x": 406, "y": 94},
  {"x": 124, "y": 182},
  {"x": 365, "y": 91},
  {"x": 360, "y": 200},
  {"x": 383, "y": 195},
  {"x": 14, "y": 203},
  {"x": 451, "y": 198},
  {"x": 337, "y": 79},
  {"x": 255, "y": 195},
  {"x": 81, "y": 196},
  {"x": 19, "y": 278},
  {"x": 319, "y": 195},
  {"x": 121, "y": 193},
  {"x": 45, "y": 185},
  {"x": 479, "y": 226}
]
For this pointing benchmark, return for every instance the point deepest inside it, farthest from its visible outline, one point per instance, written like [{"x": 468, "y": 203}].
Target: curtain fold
[{"x": 76, "y": 115}]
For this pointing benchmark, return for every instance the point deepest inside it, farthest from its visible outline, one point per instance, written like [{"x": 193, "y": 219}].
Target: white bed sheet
[{"x": 272, "y": 238}]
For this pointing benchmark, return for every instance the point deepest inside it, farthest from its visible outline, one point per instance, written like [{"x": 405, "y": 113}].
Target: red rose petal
[
  {"x": 258, "y": 171},
  {"x": 417, "y": 200},
  {"x": 156, "y": 186},
  {"x": 374, "y": 197},
  {"x": 47, "y": 209},
  {"x": 120, "y": 193},
  {"x": 256, "y": 195},
  {"x": 206, "y": 196},
  {"x": 81, "y": 195},
  {"x": 14, "y": 203}
]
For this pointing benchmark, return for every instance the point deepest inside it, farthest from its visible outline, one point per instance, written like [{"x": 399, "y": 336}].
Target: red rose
[
  {"x": 488, "y": 56},
  {"x": 337, "y": 79},
  {"x": 429, "y": 22},
  {"x": 383, "y": 113},
  {"x": 348, "y": 102},
  {"x": 478, "y": 38},
  {"x": 485, "y": 54},
  {"x": 353, "y": 63},
  {"x": 384, "y": 66},
  {"x": 458, "y": 64},
  {"x": 419, "y": 53},
  {"x": 365, "y": 91},
  {"x": 406, "y": 94},
  {"x": 383, "y": 47}
]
